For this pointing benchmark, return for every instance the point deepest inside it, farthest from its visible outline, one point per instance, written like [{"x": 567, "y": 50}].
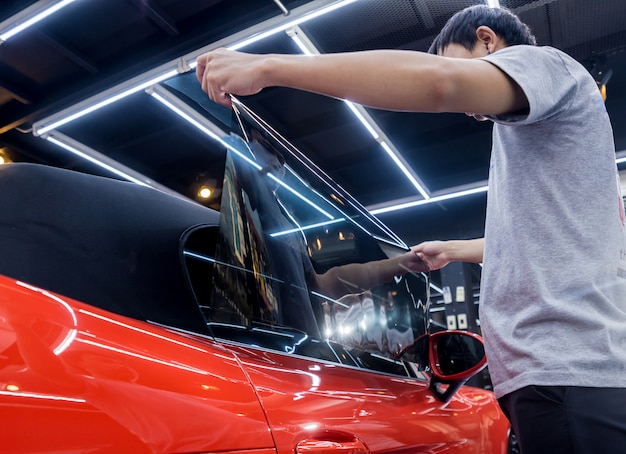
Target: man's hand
[
  {"x": 432, "y": 254},
  {"x": 437, "y": 254},
  {"x": 224, "y": 72}
]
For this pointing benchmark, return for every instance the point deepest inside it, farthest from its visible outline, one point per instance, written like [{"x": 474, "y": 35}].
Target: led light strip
[
  {"x": 308, "y": 48},
  {"x": 85, "y": 156},
  {"x": 91, "y": 104},
  {"x": 103, "y": 161},
  {"x": 292, "y": 23},
  {"x": 28, "y": 17},
  {"x": 439, "y": 198},
  {"x": 395, "y": 207}
]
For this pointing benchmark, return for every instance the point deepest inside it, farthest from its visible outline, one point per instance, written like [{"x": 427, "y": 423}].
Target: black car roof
[{"x": 105, "y": 242}]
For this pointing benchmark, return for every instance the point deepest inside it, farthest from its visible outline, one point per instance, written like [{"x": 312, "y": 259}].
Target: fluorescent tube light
[
  {"x": 282, "y": 7},
  {"x": 359, "y": 113},
  {"x": 301, "y": 40},
  {"x": 439, "y": 198},
  {"x": 303, "y": 48},
  {"x": 493, "y": 3},
  {"x": 396, "y": 157},
  {"x": 89, "y": 158},
  {"x": 289, "y": 24},
  {"x": 28, "y": 17},
  {"x": 92, "y": 104},
  {"x": 103, "y": 161},
  {"x": 308, "y": 48},
  {"x": 190, "y": 116}
]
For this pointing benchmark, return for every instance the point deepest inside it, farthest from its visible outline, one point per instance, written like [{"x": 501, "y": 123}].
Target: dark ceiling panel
[{"x": 378, "y": 25}]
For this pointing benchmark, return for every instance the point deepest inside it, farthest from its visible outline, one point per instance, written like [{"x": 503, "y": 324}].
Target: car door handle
[{"x": 317, "y": 446}]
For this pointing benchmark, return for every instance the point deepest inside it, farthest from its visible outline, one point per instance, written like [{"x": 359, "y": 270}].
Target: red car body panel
[
  {"x": 308, "y": 400},
  {"x": 74, "y": 378},
  {"x": 77, "y": 379}
]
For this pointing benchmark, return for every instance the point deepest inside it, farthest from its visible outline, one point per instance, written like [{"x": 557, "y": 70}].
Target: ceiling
[{"x": 93, "y": 48}]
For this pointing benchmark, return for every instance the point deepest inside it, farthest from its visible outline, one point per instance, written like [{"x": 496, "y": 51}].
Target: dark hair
[{"x": 461, "y": 28}]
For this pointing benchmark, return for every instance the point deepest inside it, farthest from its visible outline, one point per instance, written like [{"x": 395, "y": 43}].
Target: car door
[
  {"x": 75, "y": 378},
  {"x": 321, "y": 407}
]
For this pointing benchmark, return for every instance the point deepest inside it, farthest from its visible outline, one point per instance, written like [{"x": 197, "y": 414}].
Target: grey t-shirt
[{"x": 553, "y": 291}]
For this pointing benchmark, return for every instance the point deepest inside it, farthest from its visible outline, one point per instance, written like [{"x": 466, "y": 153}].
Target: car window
[{"x": 283, "y": 225}]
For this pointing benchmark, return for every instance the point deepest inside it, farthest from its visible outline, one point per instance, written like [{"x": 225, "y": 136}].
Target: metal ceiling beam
[
  {"x": 67, "y": 51},
  {"x": 157, "y": 15},
  {"x": 15, "y": 93}
]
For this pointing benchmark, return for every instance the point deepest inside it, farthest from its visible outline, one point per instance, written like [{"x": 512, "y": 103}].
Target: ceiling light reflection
[
  {"x": 41, "y": 396},
  {"x": 139, "y": 330},
  {"x": 70, "y": 336},
  {"x": 306, "y": 227},
  {"x": 144, "y": 357},
  {"x": 321, "y": 295}
]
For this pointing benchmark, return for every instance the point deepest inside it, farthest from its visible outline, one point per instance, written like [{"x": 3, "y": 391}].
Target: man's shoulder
[
  {"x": 532, "y": 62},
  {"x": 527, "y": 49}
]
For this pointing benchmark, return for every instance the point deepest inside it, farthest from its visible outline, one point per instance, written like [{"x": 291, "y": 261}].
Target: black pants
[{"x": 565, "y": 419}]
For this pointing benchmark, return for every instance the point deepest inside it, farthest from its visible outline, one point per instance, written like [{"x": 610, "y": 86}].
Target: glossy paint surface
[
  {"x": 85, "y": 380},
  {"x": 327, "y": 402},
  {"x": 77, "y": 379}
]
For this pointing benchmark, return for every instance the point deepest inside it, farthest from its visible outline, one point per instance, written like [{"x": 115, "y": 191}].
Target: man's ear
[{"x": 488, "y": 38}]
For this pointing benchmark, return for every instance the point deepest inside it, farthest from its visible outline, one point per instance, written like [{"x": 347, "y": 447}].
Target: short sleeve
[{"x": 545, "y": 78}]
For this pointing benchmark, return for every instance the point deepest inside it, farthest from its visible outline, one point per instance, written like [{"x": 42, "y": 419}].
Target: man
[{"x": 553, "y": 292}]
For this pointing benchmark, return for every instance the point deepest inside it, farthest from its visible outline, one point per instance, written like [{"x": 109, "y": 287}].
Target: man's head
[{"x": 462, "y": 27}]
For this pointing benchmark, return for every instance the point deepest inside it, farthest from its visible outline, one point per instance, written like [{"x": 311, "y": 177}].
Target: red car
[{"x": 134, "y": 321}]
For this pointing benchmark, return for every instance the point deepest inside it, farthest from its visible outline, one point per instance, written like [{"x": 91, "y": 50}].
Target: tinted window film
[{"x": 280, "y": 230}]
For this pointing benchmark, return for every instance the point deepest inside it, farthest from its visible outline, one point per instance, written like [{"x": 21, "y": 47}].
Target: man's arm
[
  {"x": 437, "y": 254},
  {"x": 387, "y": 79}
]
